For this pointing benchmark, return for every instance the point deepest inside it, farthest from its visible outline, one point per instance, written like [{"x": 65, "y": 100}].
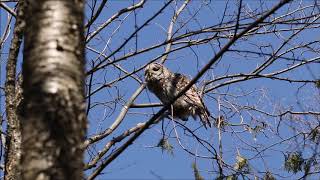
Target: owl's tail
[{"x": 205, "y": 117}]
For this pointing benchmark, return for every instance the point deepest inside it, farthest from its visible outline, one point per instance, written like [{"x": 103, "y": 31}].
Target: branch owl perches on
[{"x": 166, "y": 85}]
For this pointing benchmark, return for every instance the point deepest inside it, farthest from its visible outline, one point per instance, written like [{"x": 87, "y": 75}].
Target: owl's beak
[{"x": 146, "y": 73}]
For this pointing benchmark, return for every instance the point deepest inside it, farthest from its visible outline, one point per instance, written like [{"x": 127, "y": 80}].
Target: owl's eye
[{"x": 155, "y": 68}]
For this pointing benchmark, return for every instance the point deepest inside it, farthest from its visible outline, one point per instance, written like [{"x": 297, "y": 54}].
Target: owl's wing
[
  {"x": 182, "y": 81},
  {"x": 192, "y": 96}
]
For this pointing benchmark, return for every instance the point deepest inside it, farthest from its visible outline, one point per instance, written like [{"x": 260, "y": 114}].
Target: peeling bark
[{"x": 53, "y": 112}]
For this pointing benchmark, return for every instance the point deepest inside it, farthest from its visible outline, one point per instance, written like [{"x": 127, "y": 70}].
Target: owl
[{"x": 166, "y": 85}]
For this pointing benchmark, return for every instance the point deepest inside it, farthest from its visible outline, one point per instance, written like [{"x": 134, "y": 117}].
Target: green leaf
[
  {"x": 197, "y": 175},
  {"x": 241, "y": 163},
  {"x": 294, "y": 162},
  {"x": 165, "y": 145},
  {"x": 268, "y": 176},
  {"x": 317, "y": 84}
]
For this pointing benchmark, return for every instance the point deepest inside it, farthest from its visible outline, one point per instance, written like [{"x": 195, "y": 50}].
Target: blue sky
[{"x": 142, "y": 160}]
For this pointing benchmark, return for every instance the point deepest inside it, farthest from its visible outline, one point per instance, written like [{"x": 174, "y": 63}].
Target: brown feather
[{"x": 166, "y": 85}]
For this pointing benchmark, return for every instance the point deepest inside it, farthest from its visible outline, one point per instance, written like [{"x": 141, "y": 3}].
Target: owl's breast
[{"x": 161, "y": 88}]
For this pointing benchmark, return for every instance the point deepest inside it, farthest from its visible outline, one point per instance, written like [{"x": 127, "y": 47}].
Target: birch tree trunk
[{"x": 53, "y": 112}]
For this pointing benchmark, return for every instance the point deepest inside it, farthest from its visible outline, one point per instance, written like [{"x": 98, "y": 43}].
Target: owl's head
[{"x": 156, "y": 72}]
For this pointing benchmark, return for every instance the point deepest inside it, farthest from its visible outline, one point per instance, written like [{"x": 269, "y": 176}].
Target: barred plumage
[{"x": 166, "y": 85}]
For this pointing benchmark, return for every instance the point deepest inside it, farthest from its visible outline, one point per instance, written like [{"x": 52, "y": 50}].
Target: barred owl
[{"x": 166, "y": 85}]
